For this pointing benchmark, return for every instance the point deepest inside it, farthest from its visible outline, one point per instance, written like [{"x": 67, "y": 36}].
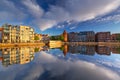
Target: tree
[
  {"x": 36, "y": 38},
  {"x": 118, "y": 37}
]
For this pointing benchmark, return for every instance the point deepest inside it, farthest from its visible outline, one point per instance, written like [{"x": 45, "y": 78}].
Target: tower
[{"x": 65, "y": 35}]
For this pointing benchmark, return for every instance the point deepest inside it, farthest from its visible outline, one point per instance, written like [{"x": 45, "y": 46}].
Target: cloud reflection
[{"x": 49, "y": 67}]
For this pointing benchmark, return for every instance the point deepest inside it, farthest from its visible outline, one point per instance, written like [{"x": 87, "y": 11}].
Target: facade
[
  {"x": 65, "y": 35},
  {"x": 17, "y": 34},
  {"x": 1, "y": 34},
  {"x": 115, "y": 37},
  {"x": 86, "y": 36},
  {"x": 6, "y": 38},
  {"x": 103, "y": 37},
  {"x": 73, "y": 37},
  {"x": 26, "y": 34}
]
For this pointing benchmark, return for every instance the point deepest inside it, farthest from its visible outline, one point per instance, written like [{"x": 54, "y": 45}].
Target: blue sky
[{"x": 54, "y": 16}]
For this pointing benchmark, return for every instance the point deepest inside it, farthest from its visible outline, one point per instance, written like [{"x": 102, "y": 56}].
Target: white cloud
[
  {"x": 10, "y": 12},
  {"x": 33, "y": 8},
  {"x": 63, "y": 10},
  {"x": 78, "y": 10},
  {"x": 113, "y": 18},
  {"x": 73, "y": 27}
]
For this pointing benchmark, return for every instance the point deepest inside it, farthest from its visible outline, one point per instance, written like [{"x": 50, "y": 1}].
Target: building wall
[
  {"x": 6, "y": 38},
  {"x": 1, "y": 33},
  {"x": 103, "y": 36},
  {"x": 86, "y": 36},
  {"x": 16, "y": 34},
  {"x": 114, "y": 37},
  {"x": 24, "y": 34}
]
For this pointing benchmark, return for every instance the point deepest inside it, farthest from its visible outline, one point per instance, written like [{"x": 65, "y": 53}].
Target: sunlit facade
[
  {"x": 17, "y": 34},
  {"x": 26, "y": 34}
]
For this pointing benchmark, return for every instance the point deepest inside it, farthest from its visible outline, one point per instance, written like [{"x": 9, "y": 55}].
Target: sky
[{"x": 54, "y": 16}]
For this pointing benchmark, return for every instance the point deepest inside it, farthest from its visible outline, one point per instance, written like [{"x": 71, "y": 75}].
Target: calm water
[{"x": 65, "y": 63}]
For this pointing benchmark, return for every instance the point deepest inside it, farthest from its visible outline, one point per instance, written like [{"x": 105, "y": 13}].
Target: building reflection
[
  {"x": 87, "y": 50},
  {"x": 18, "y": 55},
  {"x": 90, "y": 50},
  {"x": 115, "y": 49},
  {"x": 103, "y": 50}
]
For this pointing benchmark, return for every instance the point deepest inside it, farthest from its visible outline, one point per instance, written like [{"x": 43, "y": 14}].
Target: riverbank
[
  {"x": 60, "y": 43},
  {"x": 21, "y": 44}
]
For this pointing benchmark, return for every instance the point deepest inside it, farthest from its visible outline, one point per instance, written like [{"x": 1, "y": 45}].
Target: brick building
[
  {"x": 85, "y": 36},
  {"x": 103, "y": 37},
  {"x": 115, "y": 37}
]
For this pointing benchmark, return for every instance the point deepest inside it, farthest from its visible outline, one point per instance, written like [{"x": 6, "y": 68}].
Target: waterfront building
[
  {"x": 85, "y": 36},
  {"x": 115, "y": 37},
  {"x": 1, "y": 34},
  {"x": 16, "y": 34},
  {"x": 73, "y": 37},
  {"x": 6, "y": 38},
  {"x": 26, "y": 34},
  {"x": 103, "y": 37}
]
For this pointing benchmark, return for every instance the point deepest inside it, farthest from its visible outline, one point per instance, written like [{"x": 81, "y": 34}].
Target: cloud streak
[
  {"x": 74, "y": 10},
  {"x": 62, "y": 10}
]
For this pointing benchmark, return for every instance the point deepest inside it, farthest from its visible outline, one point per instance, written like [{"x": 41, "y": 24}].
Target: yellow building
[
  {"x": 16, "y": 34},
  {"x": 6, "y": 38},
  {"x": 26, "y": 34}
]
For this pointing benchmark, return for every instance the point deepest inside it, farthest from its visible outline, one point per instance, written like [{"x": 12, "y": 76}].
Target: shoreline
[
  {"x": 62, "y": 43},
  {"x": 21, "y": 44}
]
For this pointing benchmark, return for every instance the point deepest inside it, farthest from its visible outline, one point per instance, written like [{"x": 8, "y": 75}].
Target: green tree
[
  {"x": 118, "y": 38},
  {"x": 61, "y": 37},
  {"x": 36, "y": 38}
]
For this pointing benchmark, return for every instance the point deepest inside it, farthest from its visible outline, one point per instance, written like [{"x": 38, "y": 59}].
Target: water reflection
[
  {"x": 23, "y": 55},
  {"x": 90, "y": 50},
  {"x": 42, "y": 63},
  {"x": 19, "y": 55}
]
